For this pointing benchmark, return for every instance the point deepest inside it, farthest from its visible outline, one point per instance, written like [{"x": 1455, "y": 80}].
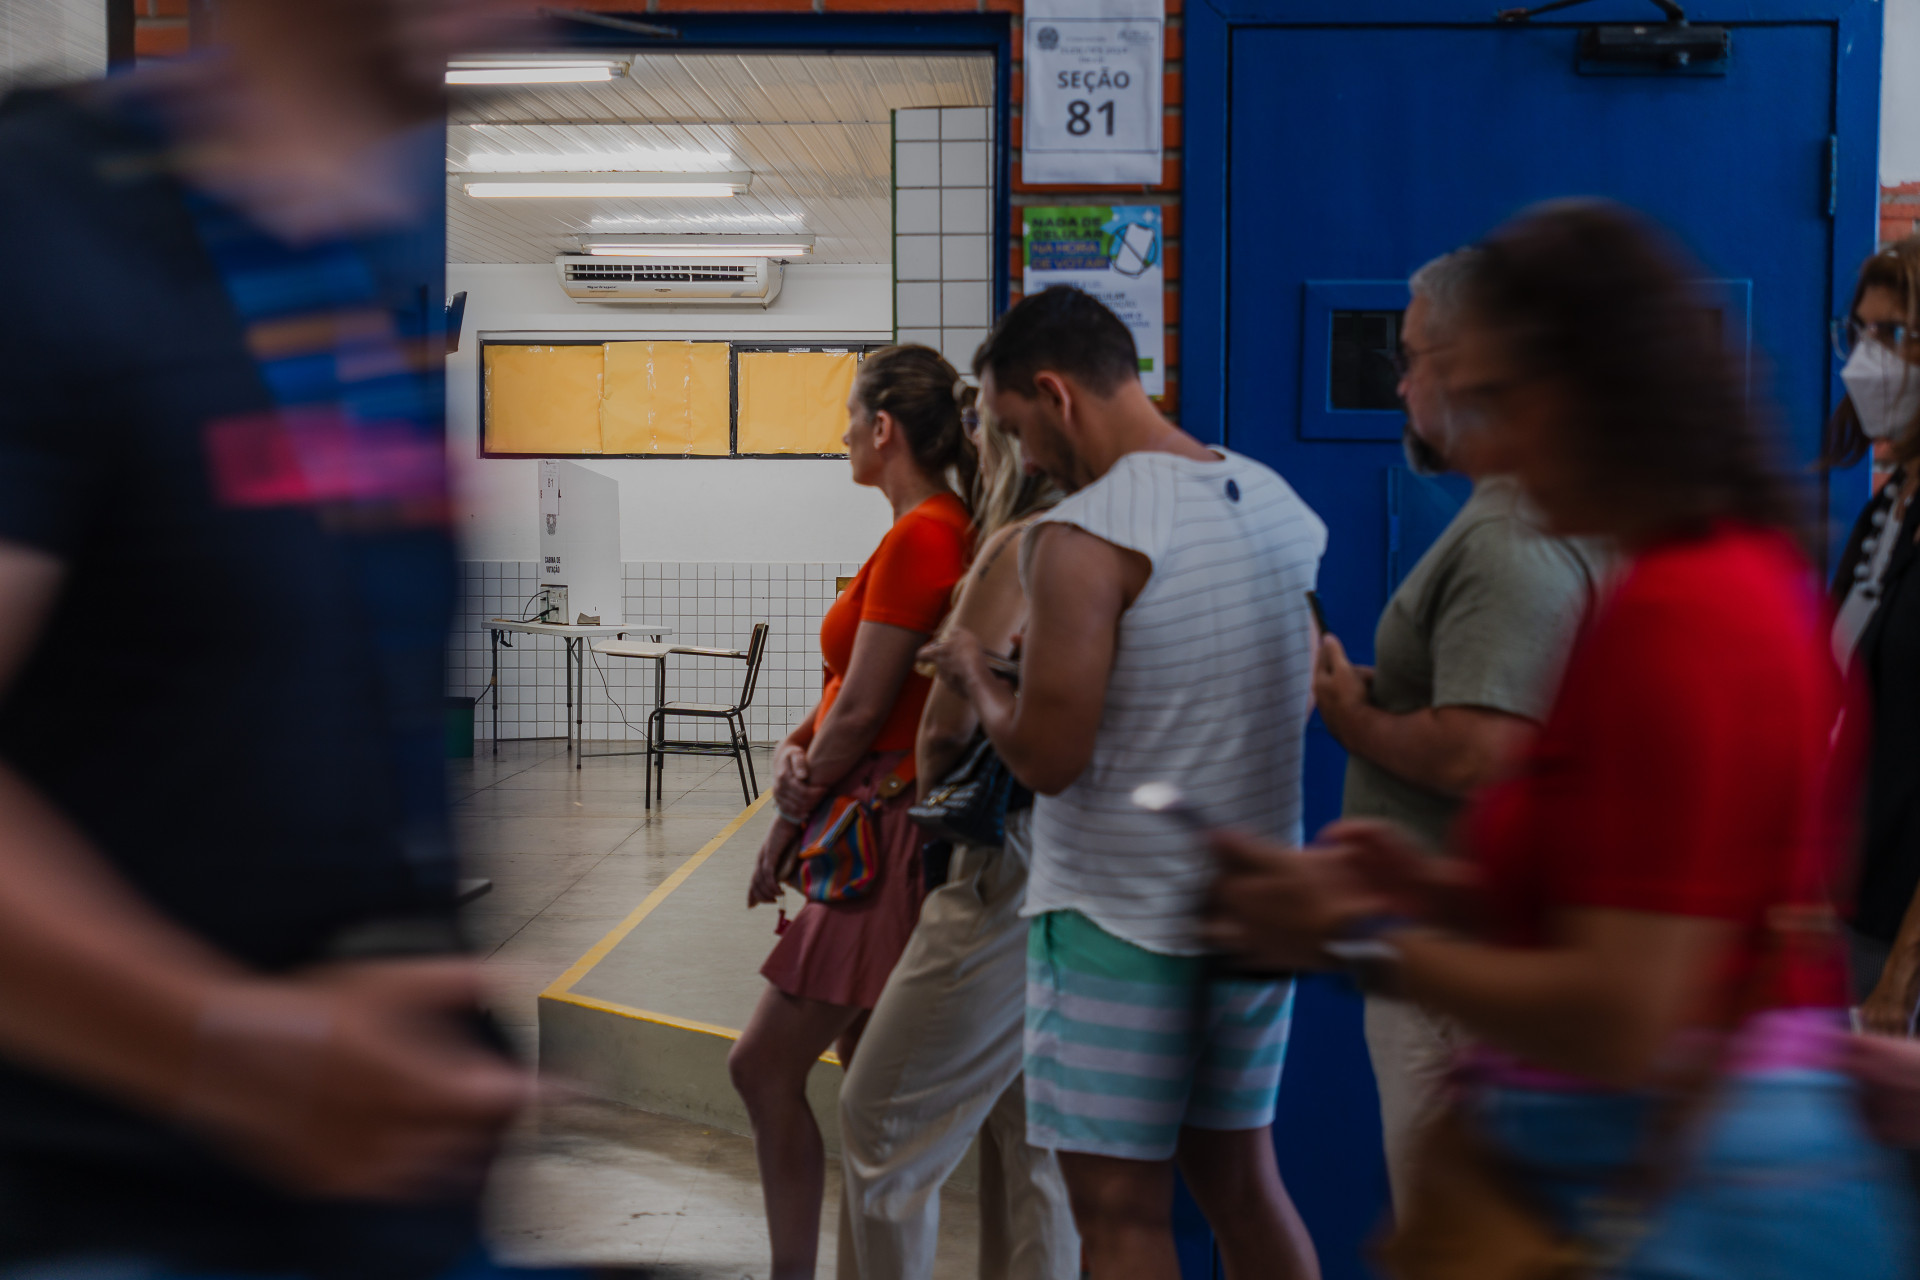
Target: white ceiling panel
[{"x": 812, "y": 129}]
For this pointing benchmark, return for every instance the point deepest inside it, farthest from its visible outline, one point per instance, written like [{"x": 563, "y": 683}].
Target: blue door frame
[
  {"x": 1205, "y": 342},
  {"x": 990, "y": 33}
]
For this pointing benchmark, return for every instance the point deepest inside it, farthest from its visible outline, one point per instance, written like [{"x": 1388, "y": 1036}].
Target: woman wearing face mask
[{"x": 1876, "y": 629}]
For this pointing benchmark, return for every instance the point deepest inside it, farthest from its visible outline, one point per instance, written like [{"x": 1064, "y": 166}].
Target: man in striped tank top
[{"x": 1169, "y": 640}]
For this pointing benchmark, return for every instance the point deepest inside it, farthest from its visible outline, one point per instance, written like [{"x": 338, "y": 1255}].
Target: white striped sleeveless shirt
[{"x": 1210, "y": 690}]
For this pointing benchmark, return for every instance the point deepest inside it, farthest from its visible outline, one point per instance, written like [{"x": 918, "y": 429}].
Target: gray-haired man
[{"x": 1468, "y": 653}]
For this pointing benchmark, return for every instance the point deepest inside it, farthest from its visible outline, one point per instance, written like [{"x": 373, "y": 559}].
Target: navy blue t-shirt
[{"x": 237, "y": 457}]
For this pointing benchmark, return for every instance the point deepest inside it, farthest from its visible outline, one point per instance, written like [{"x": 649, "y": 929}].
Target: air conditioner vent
[
  {"x": 586, "y": 278},
  {"x": 730, "y": 273}
]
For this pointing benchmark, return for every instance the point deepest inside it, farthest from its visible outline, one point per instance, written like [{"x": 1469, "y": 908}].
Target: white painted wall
[
  {"x": 672, "y": 509},
  {"x": 1900, "y": 94}
]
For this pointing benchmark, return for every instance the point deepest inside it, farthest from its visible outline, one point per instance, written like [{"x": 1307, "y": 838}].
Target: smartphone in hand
[{"x": 1319, "y": 613}]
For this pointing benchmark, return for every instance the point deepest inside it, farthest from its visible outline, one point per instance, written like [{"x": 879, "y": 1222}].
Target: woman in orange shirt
[{"x": 825, "y": 974}]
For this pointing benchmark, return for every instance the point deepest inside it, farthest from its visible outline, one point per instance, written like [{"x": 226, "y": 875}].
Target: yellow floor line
[
  {"x": 659, "y": 1019},
  {"x": 641, "y": 1015},
  {"x": 584, "y": 965}
]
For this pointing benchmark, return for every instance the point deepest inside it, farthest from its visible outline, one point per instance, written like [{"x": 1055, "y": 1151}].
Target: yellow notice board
[
  {"x": 666, "y": 397},
  {"x": 542, "y": 399},
  {"x": 794, "y": 401}
]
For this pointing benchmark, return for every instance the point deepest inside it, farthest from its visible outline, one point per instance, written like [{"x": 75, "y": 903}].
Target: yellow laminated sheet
[
  {"x": 666, "y": 397},
  {"x": 794, "y": 401},
  {"x": 542, "y": 399}
]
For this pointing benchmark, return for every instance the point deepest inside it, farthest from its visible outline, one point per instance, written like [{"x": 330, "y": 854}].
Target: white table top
[{"x": 575, "y": 631}]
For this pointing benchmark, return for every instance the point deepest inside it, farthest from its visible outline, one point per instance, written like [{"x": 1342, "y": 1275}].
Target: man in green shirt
[{"x": 1468, "y": 655}]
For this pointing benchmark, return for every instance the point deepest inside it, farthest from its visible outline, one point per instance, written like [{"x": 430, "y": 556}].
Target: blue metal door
[{"x": 1358, "y": 141}]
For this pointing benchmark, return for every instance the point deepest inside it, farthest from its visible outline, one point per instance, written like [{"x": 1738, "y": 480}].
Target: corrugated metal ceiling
[{"x": 813, "y": 129}]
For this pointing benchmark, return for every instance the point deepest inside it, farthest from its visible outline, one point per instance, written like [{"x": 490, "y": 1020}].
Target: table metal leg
[
  {"x": 580, "y": 715},
  {"x": 495, "y": 687},
  {"x": 566, "y": 723}
]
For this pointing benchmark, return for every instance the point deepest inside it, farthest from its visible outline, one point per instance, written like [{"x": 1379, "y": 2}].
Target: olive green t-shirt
[{"x": 1483, "y": 620}]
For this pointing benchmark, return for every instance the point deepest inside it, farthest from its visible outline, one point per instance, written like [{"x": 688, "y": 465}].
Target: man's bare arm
[
  {"x": 1451, "y": 751},
  {"x": 346, "y": 1083},
  {"x": 1080, "y": 585}
]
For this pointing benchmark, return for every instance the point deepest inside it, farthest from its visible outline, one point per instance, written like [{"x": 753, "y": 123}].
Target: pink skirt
[{"x": 842, "y": 952}]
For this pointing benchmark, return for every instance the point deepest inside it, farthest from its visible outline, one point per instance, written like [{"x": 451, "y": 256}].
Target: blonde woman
[{"x": 940, "y": 1060}]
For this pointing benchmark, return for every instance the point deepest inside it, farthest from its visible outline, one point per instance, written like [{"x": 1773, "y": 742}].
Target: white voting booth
[{"x": 580, "y": 545}]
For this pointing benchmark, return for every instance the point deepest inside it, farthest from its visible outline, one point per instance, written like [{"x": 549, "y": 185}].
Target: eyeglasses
[
  {"x": 1404, "y": 356},
  {"x": 1849, "y": 331}
]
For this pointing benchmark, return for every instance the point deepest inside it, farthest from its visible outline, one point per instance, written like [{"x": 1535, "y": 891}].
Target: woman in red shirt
[
  {"x": 1644, "y": 903},
  {"x": 904, "y": 437}
]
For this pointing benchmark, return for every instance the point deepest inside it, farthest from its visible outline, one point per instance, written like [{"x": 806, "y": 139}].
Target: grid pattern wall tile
[
  {"x": 943, "y": 228},
  {"x": 705, "y": 604}
]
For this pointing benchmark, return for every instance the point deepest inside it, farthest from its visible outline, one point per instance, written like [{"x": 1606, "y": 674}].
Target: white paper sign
[{"x": 1092, "y": 108}]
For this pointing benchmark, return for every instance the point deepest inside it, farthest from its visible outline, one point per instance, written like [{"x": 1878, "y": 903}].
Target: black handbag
[{"x": 970, "y": 805}]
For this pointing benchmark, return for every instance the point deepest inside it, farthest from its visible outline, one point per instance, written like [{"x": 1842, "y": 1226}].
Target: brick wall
[
  {"x": 161, "y": 28},
  {"x": 1899, "y": 211}
]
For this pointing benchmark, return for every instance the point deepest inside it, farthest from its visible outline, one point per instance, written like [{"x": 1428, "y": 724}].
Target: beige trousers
[
  {"x": 938, "y": 1063},
  {"x": 1412, "y": 1052}
]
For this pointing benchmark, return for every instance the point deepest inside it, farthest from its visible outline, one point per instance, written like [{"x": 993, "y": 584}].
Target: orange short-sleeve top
[{"x": 907, "y": 582}]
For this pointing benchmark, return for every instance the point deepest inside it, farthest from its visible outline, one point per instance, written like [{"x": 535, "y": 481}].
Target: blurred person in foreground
[
  {"x": 1168, "y": 638},
  {"x": 1643, "y": 954},
  {"x": 856, "y": 747},
  {"x": 1466, "y": 657},
  {"x": 1876, "y": 628},
  {"x": 940, "y": 1057},
  {"x": 233, "y": 1033}
]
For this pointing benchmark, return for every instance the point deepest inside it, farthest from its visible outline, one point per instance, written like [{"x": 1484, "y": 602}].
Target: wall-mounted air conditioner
[{"x": 591, "y": 278}]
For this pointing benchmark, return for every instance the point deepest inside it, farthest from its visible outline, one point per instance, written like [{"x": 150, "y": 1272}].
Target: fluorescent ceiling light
[
  {"x": 535, "y": 70},
  {"x": 781, "y": 224},
  {"x": 697, "y": 246},
  {"x": 607, "y": 186},
  {"x": 665, "y": 160}
]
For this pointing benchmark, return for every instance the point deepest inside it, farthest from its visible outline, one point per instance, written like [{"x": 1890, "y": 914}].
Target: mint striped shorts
[{"x": 1124, "y": 1046}]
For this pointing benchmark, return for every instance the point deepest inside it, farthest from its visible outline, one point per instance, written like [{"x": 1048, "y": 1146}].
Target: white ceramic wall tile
[
  {"x": 958, "y": 346},
  {"x": 921, "y": 124},
  {"x": 962, "y": 209},
  {"x": 712, "y": 605},
  {"x": 917, "y": 305},
  {"x": 917, "y": 211},
  {"x": 962, "y": 164},
  {"x": 964, "y": 122},
  {"x": 963, "y": 258},
  {"x": 955, "y": 323},
  {"x": 965, "y": 304},
  {"x": 916, "y": 257},
  {"x": 917, "y": 164}
]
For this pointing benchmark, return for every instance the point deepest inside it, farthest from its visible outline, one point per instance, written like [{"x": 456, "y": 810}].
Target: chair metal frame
[{"x": 737, "y": 745}]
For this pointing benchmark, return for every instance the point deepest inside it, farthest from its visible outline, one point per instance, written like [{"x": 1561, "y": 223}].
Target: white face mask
[{"x": 1884, "y": 388}]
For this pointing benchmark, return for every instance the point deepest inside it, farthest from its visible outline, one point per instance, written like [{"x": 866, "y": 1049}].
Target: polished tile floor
[{"x": 570, "y": 853}]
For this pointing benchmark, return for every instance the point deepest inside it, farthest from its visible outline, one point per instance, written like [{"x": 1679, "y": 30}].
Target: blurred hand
[
  {"x": 794, "y": 790},
  {"x": 956, "y": 658},
  {"x": 1888, "y": 1010},
  {"x": 1276, "y": 907},
  {"x": 1340, "y": 689},
  {"x": 1887, "y": 1070},
  {"x": 357, "y": 1080},
  {"x": 1401, "y": 869},
  {"x": 765, "y": 885}
]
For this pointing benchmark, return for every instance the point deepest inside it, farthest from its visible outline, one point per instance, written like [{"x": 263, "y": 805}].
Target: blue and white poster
[{"x": 1112, "y": 252}]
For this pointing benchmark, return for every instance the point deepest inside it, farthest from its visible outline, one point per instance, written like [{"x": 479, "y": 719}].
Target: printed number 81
[{"x": 1080, "y": 113}]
